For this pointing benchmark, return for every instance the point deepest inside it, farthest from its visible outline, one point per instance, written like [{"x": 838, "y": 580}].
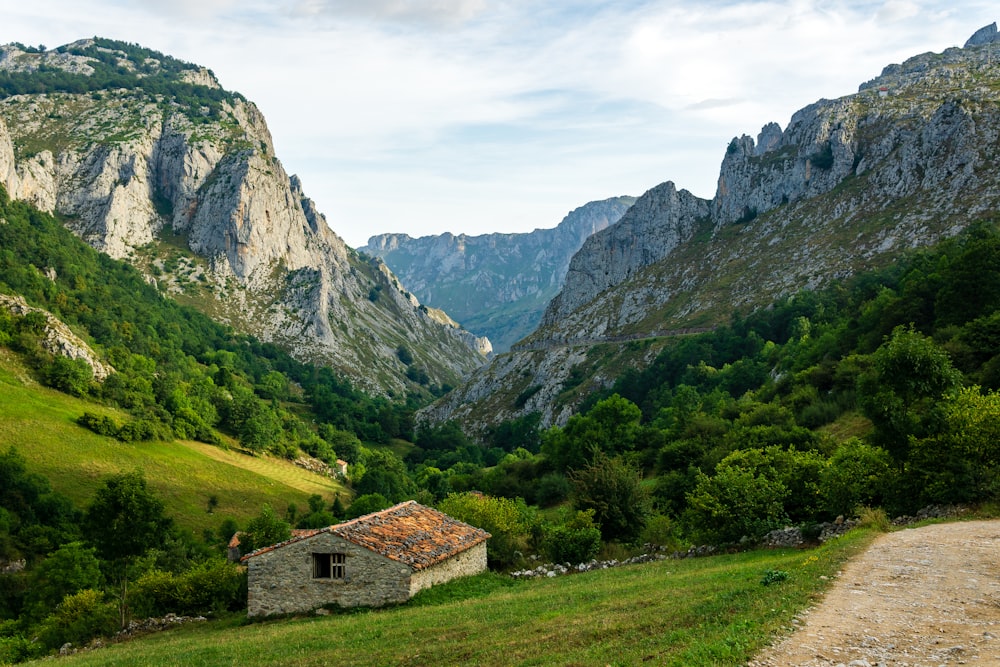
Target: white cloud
[
  {"x": 419, "y": 12},
  {"x": 501, "y": 115}
]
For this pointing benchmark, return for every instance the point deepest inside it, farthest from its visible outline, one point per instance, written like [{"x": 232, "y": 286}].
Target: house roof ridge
[{"x": 408, "y": 532}]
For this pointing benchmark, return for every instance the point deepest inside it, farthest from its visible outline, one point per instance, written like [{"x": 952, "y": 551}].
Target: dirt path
[{"x": 922, "y": 597}]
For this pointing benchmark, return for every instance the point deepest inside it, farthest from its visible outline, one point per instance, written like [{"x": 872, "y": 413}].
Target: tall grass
[{"x": 706, "y": 611}]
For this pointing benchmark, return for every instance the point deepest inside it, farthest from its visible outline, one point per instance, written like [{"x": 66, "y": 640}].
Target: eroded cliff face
[
  {"x": 847, "y": 186},
  {"x": 495, "y": 284},
  {"x": 199, "y": 200},
  {"x": 660, "y": 221}
]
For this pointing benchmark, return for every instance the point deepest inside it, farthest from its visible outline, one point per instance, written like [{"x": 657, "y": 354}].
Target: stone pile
[
  {"x": 134, "y": 629},
  {"x": 315, "y": 465},
  {"x": 557, "y": 569},
  {"x": 145, "y": 625},
  {"x": 792, "y": 536}
]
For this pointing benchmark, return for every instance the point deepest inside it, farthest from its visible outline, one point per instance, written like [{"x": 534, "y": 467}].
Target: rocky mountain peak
[
  {"x": 985, "y": 35},
  {"x": 182, "y": 181}
]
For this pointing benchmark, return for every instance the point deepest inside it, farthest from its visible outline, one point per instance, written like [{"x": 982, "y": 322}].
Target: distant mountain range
[
  {"x": 848, "y": 185},
  {"x": 496, "y": 285}
]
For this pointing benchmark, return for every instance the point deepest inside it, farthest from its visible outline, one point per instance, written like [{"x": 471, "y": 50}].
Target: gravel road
[{"x": 919, "y": 597}]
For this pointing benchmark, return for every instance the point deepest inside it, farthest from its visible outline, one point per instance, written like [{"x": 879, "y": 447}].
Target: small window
[{"x": 328, "y": 566}]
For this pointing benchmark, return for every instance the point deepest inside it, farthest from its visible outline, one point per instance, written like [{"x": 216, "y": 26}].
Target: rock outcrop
[
  {"x": 495, "y": 284},
  {"x": 847, "y": 186},
  {"x": 58, "y": 339},
  {"x": 193, "y": 194}
]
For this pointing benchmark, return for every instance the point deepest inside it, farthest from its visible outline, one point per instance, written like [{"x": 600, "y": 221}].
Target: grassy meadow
[
  {"x": 40, "y": 423},
  {"x": 692, "y": 612}
]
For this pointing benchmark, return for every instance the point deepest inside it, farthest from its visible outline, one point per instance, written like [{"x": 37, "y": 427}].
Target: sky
[{"x": 479, "y": 116}]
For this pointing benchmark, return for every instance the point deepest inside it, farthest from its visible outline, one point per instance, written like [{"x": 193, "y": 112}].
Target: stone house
[{"x": 376, "y": 559}]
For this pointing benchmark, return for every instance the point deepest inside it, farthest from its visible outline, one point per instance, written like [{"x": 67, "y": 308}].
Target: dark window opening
[{"x": 328, "y": 566}]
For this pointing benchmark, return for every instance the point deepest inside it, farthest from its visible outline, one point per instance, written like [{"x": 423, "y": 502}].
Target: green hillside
[{"x": 41, "y": 423}]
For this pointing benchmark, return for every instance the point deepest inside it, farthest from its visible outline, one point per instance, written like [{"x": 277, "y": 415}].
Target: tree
[
  {"x": 909, "y": 374},
  {"x": 72, "y": 568},
  {"x": 734, "y": 504},
  {"x": 264, "y": 530},
  {"x": 960, "y": 462},
  {"x": 611, "y": 426},
  {"x": 611, "y": 488},
  {"x": 319, "y": 516},
  {"x": 372, "y": 502},
  {"x": 404, "y": 355},
  {"x": 73, "y": 376},
  {"x": 124, "y": 521}
]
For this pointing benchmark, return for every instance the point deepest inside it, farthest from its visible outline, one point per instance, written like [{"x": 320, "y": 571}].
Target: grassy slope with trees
[
  {"x": 179, "y": 377},
  {"x": 704, "y": 611},
  {"x": 878, "y": 391}
]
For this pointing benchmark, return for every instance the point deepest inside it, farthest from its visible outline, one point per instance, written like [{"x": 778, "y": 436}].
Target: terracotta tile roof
[{"x": 409, "y": 533}]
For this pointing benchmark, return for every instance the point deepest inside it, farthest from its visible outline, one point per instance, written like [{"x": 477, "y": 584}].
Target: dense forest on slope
[
  {"x": 178, "y": 373},
  {"x": 879, "y": 391}
]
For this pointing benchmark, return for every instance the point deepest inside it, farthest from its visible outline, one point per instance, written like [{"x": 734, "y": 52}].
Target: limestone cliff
[
  {"x": 847, "y": 186},
  {"x": 495, "y": 284},
  {"x": 156, "y": 164}
]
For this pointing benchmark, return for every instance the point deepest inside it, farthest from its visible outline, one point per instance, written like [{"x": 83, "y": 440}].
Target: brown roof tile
[{"x": 409, "y": 533}]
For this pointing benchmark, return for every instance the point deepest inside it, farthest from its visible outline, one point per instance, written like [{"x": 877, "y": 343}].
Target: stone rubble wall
[
  {"x": 281, "y": 581},
  {"x": 464, "y": 564}
]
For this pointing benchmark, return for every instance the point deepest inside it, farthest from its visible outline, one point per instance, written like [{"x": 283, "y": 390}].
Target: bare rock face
[
  {"x": 656, "y": 224},
  {"x": 985, "y": 35},
  {"x": 144, "y": 176}
]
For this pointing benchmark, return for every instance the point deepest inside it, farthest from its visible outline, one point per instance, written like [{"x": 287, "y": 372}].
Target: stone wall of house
[
  {"x": 471, "y": 561},
  {"x": 281, "y": 581}
]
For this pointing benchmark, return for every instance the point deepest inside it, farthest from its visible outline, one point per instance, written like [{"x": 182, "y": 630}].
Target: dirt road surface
[{"x": 919, "y": 597}]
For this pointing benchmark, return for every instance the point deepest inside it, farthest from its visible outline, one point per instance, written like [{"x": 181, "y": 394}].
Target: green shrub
[
  {"x": 773, "y": 577},
  {"x": 100, "y": 424},
  {"x": 211, "y": 586},
  {"x": 510, "y": 522},
  {"x": 735, "y": 504},
  {"x": 576, "y": 541},
  {"x": 17, "y": 648},
  {"x": 857, "y": 474},
  {"x": 660, "y": 531},
  {"x": 79, "y": 618}
]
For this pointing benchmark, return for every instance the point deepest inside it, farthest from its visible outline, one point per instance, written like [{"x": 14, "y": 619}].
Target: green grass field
[
  {"x": 694, "y": 612},
  {"x": 41, "y": 424}
]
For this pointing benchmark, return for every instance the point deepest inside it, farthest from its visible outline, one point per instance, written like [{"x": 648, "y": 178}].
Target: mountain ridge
[
  {"x": 846, "y": 186},
  {"x": 495, "y": 284},
  {"x": 182, "y": 181}
]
